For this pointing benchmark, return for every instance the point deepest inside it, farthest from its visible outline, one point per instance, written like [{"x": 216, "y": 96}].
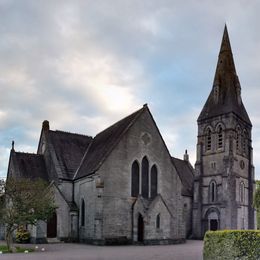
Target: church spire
[
  {"x": 225, "y": 63},
  {"x": 225, "y": 96}
]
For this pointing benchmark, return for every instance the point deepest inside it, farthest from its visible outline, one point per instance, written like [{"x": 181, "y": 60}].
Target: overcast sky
[{"x": 83, "y": 65}]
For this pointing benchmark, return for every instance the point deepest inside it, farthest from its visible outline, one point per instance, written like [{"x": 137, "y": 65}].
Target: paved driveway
[{"x": 191, "y": 250}]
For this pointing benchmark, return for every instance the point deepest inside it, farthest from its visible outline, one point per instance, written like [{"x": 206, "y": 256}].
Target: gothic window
[
  {"x": 135, "y": 179},
  {"x": 145, "y": 177},
  {"x": 220, "y": 137},
  {"x": 213, "y": 191},
  {"x": 154, "y": 180},
  {"x": 208, "y": 139},
  {"x": 238, "y": 138},
  {"x": 242, "y": 192},
  {"x": 244, "y": 142},
  {"x": 82, "y": 213},
  {"x": 158, "y": 220}
]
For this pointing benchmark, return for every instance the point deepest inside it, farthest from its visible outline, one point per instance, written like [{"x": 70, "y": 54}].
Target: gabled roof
[
  {"x": 103, "y": 144},
  {"x": 185, "y": 172},
  {"x": 225, "y": 96},
  {"x": 69, "y": 149},
  {"x": 30, "y": 165}
]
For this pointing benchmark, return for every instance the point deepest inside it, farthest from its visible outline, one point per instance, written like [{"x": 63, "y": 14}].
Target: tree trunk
[{"x": 9, "y": 240}]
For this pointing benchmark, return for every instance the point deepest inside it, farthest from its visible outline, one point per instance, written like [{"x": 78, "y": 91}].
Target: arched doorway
[
  {"x": 52, "y": 226},
  {"x": 140, "y": 235},
  {"x": 213, "y": 219}
]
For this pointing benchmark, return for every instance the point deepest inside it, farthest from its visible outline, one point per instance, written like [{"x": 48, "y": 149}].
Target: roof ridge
[
  {"x": 119, "y": 121},
  {"x": 67, "y": 132},
  {"x": 137, "y": 112},
  {"x": 36, "y": 154}
]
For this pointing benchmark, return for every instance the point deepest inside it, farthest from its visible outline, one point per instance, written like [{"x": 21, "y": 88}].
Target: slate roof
[
  {"x": 30, "y": 165},
  {"x": 185, "y": 172},
  {"x": 103, "y": 144},
  {"x": 69, "y": 149},
  {"x": 229, "y": 87}
]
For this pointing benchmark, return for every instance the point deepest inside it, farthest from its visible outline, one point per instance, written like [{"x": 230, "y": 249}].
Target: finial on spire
[{"x": 13, "y": 145}]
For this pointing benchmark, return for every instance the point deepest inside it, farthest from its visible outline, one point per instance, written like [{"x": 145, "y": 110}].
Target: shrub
[
  {"x": 22, "y": 235},
  {"x": 232, "y": 244}
]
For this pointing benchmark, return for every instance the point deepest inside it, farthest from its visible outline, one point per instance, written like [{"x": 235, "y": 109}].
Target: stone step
[{"x": 53, "y": 240}]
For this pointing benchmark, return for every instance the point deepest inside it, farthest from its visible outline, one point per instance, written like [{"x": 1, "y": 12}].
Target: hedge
[{"x": 232, "y": 244}]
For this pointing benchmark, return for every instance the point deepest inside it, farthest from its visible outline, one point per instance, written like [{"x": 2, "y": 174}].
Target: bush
[
  {"x": 22, "y": 235},
  {"x": 232, "y": 244}
]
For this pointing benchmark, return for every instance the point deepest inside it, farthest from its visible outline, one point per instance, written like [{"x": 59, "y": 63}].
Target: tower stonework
[{"x": 224, "y": 171}]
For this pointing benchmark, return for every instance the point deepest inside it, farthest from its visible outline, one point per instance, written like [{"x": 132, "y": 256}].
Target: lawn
[{"x": 4, "y": 250}]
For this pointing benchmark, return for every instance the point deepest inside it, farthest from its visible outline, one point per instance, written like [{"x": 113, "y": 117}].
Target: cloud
[{"x": 85, "y": 64}]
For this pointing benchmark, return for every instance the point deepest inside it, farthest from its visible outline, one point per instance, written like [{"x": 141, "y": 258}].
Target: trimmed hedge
[{"x": 232, "y": 244}]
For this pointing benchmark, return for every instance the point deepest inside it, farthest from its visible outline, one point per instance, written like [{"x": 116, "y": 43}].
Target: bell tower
[{"x": 224, "y": 181}]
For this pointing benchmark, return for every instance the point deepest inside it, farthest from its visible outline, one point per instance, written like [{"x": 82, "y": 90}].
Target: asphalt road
[{"x": 191, "y": 250}]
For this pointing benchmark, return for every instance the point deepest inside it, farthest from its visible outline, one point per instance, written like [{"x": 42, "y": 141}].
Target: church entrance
[
  {"x": 52, "y": 226},
  {"x": 213, "y": 224},
  {"x": 140, "y": 235},
  {"x": 213, "y": 219}
]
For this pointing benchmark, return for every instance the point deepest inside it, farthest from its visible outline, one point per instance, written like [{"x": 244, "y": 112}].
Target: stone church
[{"x": 123, "y": 185}]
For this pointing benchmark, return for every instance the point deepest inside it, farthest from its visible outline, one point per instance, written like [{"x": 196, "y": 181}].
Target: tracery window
[
  {"x": 135, "y": 179},
  {"x": 144, "y": 180}
]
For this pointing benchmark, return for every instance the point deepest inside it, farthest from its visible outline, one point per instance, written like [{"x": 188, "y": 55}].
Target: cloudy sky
[{"x": 83, "y": 65}]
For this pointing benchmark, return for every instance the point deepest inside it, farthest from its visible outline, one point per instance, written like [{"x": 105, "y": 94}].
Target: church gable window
[
  {"x": 154, "y": 180},
  {"x": 82, "y": 213},
  {"x": 213, "y": 191},
  {"x": 135, "y": 179},
  {"x": 145, "y": 177}
]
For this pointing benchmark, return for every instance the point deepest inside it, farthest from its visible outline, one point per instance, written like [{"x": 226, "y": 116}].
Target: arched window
[
  {"x": 145, "y": 177},
  {"x": 244, "y": 142},
  {"x": 135, "y": 179},
  {"x": 158, "y": 220},
  {"x": 154, "y": 180},
  {"x": 213, "y": 191},
  {"x": 208, "y": 139},
  {"x": 82, "y": 213},
  {"x": 238, "y": 138},
  {"x": 242, "y": 192},
  {"x": 220, "y": 137}
]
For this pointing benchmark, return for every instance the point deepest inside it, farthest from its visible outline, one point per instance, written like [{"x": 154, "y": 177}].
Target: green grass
[{"x": 4, "y": 250}]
